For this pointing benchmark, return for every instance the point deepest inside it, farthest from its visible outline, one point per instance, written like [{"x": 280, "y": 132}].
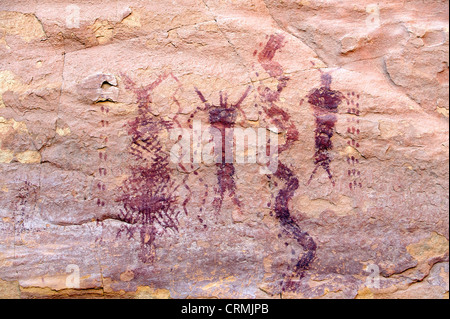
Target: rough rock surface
[{"x": 91, "y": 205}]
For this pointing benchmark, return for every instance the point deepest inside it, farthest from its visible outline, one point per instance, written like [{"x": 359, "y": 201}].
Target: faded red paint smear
[{"x": 265, "y": 57}]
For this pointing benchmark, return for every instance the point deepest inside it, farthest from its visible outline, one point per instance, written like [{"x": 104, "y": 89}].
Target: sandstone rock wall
[{"x": 91, "y": 204}]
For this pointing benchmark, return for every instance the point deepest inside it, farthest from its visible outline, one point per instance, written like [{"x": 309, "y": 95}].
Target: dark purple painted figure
[
  {"x": 325, "y": 102},
  {"x": 223, "y": 118}
]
